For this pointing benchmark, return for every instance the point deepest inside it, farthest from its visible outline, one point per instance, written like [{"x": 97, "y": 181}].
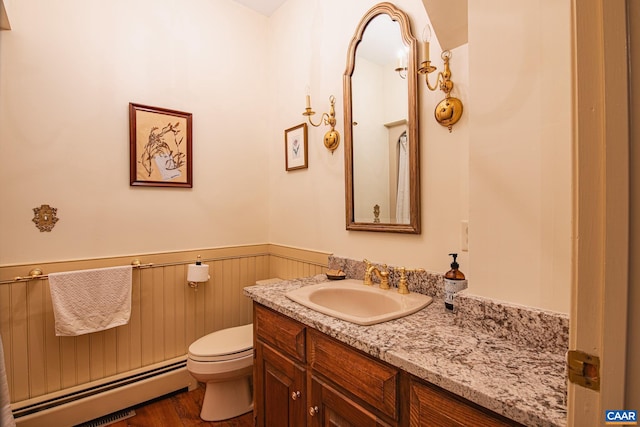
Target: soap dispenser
[{"x": 454, "y": 282}]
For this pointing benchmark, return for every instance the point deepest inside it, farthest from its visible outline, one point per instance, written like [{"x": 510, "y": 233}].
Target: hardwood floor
[{"x": 178, "y": 410}]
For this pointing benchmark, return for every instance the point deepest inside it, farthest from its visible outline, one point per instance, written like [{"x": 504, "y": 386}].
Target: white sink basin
[{"x": 352, "y": 301}]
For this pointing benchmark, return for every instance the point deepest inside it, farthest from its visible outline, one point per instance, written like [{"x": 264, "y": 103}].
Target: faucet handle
[
  {"x": 367, "y": 273},
  {"x": 402, "y": 284}
]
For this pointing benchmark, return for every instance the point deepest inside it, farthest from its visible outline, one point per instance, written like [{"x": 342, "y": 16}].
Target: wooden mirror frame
[{"x": 410, "y": 41}]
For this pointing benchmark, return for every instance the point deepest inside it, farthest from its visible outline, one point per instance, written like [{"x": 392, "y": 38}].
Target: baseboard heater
[{"x": 94, "y": 400}]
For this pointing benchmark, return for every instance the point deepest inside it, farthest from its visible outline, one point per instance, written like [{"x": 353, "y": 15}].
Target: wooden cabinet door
[
  {"x": 369, "y": 380},
  {"x": 280, "y": 388},
  {"x": 434, "y": 407},
  {"x": 328, "y": 407}
]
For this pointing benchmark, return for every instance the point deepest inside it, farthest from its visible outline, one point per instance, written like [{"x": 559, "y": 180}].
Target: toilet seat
[{"x": 226, "y": 344}]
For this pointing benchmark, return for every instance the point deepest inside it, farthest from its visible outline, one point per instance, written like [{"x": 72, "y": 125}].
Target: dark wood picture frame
[
  {"x": 160, "y": 147},
  {"x": 295, "y": 148}
]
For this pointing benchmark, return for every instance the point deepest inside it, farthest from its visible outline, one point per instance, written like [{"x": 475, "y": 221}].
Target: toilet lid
[{"x": 225, "y": 344}]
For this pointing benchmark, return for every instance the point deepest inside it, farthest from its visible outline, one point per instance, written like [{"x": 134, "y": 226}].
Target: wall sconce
[
  {"x": 332, "y": 137},
  {"x": 449, "y": 110},
  {"x": 197, "y": 273},
  {"x": 401, "y": 69}
]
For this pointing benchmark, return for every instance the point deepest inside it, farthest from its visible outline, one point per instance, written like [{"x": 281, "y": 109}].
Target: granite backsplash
[{"x": 536, "y": 328}]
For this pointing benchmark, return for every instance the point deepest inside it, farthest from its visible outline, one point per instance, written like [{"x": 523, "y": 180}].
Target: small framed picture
[
  {"x": 160, "y": 147},
  {"x": 295, "y": 147}
]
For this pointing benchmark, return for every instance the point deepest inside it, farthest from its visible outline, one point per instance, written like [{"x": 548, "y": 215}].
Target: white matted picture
[{"x": 295, "y": 147}]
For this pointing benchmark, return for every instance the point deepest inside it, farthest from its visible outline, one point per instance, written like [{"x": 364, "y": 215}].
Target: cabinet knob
[
  {"x": 295, "y": 395},
  {"x": 314, "y": 410}
]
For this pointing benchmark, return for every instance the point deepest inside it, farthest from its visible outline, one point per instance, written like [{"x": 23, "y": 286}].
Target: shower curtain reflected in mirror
[{"x": 402, "y": 198}]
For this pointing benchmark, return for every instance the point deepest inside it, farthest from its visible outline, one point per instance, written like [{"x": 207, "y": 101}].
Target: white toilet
[{"x": 223, "y": 360}]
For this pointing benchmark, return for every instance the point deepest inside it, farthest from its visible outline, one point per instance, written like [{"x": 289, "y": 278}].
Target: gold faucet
[
  {"x": 382, "y": 274},
  {"x": 402, "y": 284}
]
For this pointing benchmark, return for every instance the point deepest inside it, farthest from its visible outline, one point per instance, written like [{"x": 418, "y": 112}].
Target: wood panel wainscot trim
[{"x": 166, "y": 317}]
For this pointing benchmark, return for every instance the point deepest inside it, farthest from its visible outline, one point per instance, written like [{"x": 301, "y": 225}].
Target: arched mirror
[{"x": 381, "y": 124}]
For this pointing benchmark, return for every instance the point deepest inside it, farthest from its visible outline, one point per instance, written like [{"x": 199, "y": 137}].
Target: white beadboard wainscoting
[{"x": 71, "y": 380}]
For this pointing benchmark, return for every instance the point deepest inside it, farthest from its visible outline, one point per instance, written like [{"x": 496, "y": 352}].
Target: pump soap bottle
[{"x": 454, "y": 282}]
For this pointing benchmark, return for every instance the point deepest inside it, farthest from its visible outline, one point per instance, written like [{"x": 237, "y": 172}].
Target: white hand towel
[
  {"x": 6, "y": 416},
  {"x": 88, "y": 301}
]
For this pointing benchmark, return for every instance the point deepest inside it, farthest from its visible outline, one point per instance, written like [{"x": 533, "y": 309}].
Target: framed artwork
[
  {"x": 160, "y": 147},
  {"x": 295, "y": 147}
]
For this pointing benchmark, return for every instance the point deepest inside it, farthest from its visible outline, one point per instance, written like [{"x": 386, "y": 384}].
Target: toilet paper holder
[{"x": 197, "y": 273}]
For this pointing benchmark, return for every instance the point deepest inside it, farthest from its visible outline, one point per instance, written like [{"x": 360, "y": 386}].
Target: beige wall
[
  {"x": 520, "y": 150},
  {"x": 69, "y": 69},
  {"x": 506, "y": 167}
]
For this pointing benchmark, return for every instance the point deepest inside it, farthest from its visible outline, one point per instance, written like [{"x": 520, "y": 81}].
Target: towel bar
[{"x": 37, "y": 273}]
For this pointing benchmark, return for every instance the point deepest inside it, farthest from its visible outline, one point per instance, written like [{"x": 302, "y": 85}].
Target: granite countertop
[{"x": 524, "y": 384}]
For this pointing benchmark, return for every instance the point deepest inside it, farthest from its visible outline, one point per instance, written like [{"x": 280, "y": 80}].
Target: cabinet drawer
[
  {"x": 373, "y": 382},
  {"x": 287, "y": 335},
  {"x": 337, "y": 409},
  {"x": 434, "y": 407}
]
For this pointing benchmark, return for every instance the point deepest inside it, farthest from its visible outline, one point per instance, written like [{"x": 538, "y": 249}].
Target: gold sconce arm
[
  {"x": 449, "y": 110},
  {"x": 402, "y": 72},
  {"x": 332, "y": 137},
  {"x": 443, "y": 81}
]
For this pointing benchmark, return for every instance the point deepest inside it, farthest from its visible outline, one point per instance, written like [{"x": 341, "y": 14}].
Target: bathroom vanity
[
  {"x": 313, "y": 369},
  {"x": 300, "y": 372}
]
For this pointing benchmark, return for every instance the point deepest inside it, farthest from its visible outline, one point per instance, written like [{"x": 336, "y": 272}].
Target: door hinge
[{"x": 584, "y": 369}]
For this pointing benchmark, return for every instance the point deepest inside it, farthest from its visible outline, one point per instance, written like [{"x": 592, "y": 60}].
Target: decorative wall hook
[{"x": 45, "y": 217}]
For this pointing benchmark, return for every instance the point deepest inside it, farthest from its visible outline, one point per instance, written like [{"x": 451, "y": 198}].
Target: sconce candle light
[
  {"x": 402, "y": 65},
  {"x": 332, "y": 137},
  {"x": 449, "y": 110}
]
